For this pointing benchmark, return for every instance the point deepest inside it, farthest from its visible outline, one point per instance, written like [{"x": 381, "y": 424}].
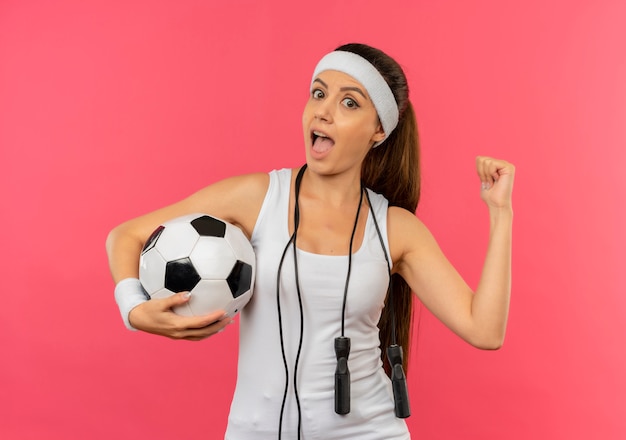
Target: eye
[
  {"x": 350, "y": 103},
  {"x": 317, "y": 94}
]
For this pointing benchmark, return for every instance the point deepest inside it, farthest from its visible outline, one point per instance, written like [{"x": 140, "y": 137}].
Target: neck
[{"x": 336, "y": 189}]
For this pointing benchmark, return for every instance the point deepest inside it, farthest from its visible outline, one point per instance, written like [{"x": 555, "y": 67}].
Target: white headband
[{"x": 377, "y": 88}]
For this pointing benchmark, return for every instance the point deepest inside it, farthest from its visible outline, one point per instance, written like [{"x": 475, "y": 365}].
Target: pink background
[{"x": 109, "y": 109}]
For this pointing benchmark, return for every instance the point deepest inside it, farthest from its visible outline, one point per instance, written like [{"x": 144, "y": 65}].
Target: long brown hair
[{"x": 393, "y": 170}]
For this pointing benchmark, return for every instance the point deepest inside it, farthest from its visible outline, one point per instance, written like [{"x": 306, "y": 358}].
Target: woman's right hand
[{"x": 156, "y": 316}]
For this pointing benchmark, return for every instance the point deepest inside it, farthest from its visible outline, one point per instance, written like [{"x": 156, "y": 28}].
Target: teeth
[{"x": 317, "y": 133}]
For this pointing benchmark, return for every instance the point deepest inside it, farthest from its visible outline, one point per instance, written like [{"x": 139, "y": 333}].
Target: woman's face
[{"x": 340, "y": 123}]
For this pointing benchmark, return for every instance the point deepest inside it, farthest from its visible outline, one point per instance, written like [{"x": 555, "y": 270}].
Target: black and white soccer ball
[{"x": 201, "y": 254}]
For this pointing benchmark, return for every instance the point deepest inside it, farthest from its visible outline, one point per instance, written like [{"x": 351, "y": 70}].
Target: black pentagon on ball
[
  {"x": 152, "y": 239},
  {"x": 240, "y": 278},
  {"x": 180, "y": 275},
  {"x": 208, "y": 226}
]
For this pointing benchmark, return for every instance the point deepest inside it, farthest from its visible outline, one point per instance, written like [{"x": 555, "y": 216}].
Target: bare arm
[
  {"x": 478, "y": 317},
  {"x": 236, "y": 200}
]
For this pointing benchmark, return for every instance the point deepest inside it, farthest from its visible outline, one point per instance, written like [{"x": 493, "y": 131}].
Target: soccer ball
[{"x": 204, "y": 255}]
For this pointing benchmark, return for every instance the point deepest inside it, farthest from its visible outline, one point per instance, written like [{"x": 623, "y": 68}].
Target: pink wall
[{"x": 109, "y": 109}]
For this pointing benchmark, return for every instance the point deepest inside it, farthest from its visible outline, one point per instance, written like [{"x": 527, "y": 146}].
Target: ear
[{"x": 379, "y": 134}]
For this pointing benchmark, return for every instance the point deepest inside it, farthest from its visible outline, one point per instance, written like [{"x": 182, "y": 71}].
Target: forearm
[{"x": 490, "y": 303}]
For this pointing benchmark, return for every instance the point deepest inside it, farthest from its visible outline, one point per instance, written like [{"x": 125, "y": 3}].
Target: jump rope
[{"x": 342, "y": 343}]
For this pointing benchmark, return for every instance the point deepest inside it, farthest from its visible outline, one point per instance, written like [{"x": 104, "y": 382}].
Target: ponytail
[{"x": 393, "y": 169}]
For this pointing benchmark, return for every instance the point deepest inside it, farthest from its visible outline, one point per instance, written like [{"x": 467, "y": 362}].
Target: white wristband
[{"x": 129, "y": 293}]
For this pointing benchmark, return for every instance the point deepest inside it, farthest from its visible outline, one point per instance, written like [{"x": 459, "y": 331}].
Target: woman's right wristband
[{"x": 129, "y": 293}]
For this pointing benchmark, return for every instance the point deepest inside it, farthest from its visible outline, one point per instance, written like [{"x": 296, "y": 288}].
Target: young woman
[{"x": 328, "y": 239}]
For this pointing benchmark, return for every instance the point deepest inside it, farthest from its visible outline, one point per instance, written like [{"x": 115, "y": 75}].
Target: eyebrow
[{"x": 343, "y": 89}]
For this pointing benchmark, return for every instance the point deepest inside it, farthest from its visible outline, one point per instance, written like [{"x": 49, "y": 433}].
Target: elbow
[
  {"x": 491, "y": 345},
  {"x": 111, "y": 239},
  {"x": 490, "y": 342}
]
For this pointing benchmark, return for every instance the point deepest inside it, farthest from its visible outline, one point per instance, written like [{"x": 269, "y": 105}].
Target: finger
[
  {"x": 199, "y": 333},
  {"x": 482, "y": 169},
  {"x": 195, "y": 322},
  {"x": 491, "y": 170},
  {"x": 171, "y": 301}
]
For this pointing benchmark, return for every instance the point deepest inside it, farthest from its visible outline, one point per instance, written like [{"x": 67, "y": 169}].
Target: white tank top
[{"x": 255, "y": 409}]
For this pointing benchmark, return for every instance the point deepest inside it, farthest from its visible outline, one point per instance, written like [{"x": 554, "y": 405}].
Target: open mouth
[
  {"x": 317, "y": 134},
  {"x": 321, "y": 142}
]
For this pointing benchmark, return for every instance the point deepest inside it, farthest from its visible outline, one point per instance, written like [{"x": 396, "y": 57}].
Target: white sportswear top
[{"x": 255, "y": 409}]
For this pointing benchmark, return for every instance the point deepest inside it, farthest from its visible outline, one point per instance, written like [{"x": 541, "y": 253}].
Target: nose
[{"x": 323, "y": 111}]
